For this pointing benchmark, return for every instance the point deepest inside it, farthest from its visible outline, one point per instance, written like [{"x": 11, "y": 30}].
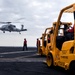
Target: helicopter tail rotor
[{"x": 22, "y": 26}]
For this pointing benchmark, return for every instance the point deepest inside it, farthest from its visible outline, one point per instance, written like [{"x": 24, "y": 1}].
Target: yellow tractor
[
  {"x": 45, "y": 42},
  {"x": 62, "y": 52}
]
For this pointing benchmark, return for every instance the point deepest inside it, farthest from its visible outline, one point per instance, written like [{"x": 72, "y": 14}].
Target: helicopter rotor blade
[{"x": 5, "y": 22}]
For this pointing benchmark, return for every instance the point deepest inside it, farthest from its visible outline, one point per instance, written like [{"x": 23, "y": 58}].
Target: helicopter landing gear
[
  {"x": 3, "y": 31},
  {"x": 19, "y": 33}
]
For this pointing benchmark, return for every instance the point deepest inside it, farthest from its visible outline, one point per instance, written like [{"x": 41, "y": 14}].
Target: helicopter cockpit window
[
  {"x": 3, "y": 26},
  {"x": 14, "y": 26}
]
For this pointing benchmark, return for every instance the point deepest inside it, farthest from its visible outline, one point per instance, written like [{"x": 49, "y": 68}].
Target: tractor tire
[
  {"x": 72, "y": 68},
  {"x": 49, "y": 60}
]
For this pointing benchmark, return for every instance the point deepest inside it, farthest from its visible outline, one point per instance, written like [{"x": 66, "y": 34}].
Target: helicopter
[{"x": 11, "y": 27}]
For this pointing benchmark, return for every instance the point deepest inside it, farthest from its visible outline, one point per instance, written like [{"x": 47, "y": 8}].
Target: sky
[{"x": 36, "y": 15}]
